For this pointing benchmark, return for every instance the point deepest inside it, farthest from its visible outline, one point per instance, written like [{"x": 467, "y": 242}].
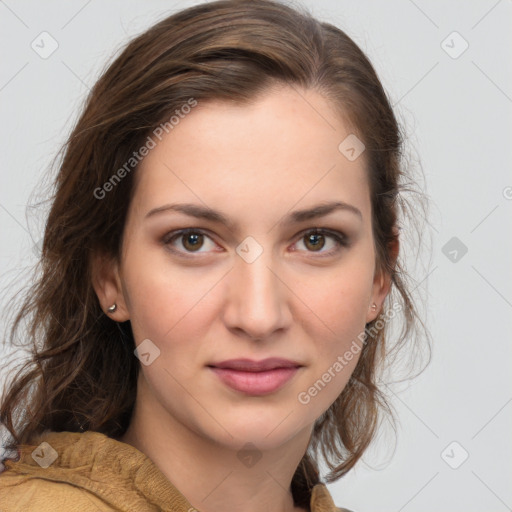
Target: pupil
[
  {"x": 314, "y": 239},
  {"x": 193, "y": 240}
]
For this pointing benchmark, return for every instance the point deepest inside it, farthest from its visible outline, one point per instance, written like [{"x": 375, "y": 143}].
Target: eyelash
[{"x": 340, "y": 239}]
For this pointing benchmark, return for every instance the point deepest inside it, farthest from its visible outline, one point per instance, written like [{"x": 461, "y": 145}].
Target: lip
[
  {"x": 248, "y": 365},
  {"x": 255, "y": 377}
]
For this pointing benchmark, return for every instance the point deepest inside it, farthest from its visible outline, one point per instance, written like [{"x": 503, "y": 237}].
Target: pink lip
[
  {"x": 249, "y": 365},
  {"x": 255, "y": 377},
  {"x": 255, "y": 383}
]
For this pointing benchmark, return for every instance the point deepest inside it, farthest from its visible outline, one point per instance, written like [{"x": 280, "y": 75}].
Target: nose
[{"x": 257, "y": 303}]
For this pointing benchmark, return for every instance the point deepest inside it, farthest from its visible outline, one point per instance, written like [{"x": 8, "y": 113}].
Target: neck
[{"x": 210, "y": 475}]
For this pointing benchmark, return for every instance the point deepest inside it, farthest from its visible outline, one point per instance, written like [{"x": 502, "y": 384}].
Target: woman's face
[{"x": 250, "y": 280}]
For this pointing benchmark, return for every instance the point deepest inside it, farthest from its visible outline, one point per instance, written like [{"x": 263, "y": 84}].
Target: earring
[
  {"x": 112, "y": 308},
  {"x": 374, "y": 306}
]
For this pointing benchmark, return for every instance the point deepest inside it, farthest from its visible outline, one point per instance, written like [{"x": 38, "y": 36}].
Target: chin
[{"x": 265, "y": 431}]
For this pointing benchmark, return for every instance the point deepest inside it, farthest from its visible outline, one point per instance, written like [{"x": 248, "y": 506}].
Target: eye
[
  {"x": 190, "y": 241},
  {"x": 316, "y": 240}
]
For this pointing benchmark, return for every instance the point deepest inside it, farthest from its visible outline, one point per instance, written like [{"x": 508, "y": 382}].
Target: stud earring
[
  {"x": 374, "y": 306},
  {"x": 112, "y": 308}
]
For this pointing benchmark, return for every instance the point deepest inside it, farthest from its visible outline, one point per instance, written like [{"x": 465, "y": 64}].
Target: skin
[{"x": 255, "y": 163}]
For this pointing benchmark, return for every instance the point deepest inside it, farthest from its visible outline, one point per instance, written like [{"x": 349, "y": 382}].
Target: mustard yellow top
[{"x": 91, "y": 472}]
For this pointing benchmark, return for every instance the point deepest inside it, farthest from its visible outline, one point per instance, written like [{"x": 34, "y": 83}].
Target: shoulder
[
  {"x": 23, "y": 493},
  {"x": 322, "y": 501},
  {"x": 58, "y": 471},
  {"x": 89, "y": 472}
]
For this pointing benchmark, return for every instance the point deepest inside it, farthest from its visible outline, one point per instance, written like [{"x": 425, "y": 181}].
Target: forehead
[{"x": 279, "y": 151}]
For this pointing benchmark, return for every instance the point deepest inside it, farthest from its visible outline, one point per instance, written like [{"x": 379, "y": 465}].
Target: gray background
[{"x": 457, "y": 113}]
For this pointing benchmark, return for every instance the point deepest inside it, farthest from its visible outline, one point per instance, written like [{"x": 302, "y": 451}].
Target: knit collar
[{"x": 109, "y": 469}]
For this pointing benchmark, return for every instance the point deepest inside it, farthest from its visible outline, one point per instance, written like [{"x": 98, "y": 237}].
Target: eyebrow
[{"x": 205, "y": 213}]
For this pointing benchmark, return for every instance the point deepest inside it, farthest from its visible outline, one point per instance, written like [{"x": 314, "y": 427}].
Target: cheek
[
  {"x": 166, "y": 302},
  {"x": 339, "y": 299},
  {"x": 334, "y": 317},
  {"x": 150, "y": 296}
]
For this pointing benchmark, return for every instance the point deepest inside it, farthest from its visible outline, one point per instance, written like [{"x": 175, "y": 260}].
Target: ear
[
  {"x": 106, "y": 281},
  {"x": 382, "y": 280}
]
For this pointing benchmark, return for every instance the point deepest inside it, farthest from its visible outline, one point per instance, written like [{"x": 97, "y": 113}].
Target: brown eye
[
  {"x": 189, "y": 241},
  {"x": 192, "y": 241},
  {"x": 315, "y": 241},
  {"x": 324, "y": 242}
]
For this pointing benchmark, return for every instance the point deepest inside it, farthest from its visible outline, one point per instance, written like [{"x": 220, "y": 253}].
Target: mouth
[
  {"x": 248, "y": 365},
  {"x": 255, "y": 377}
]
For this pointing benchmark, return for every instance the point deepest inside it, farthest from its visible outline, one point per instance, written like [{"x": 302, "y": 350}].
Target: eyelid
[
  {"x": 176, "y": 234},
  {"x": 339, "y": 237}
]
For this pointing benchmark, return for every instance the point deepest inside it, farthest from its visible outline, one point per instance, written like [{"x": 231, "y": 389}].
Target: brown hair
[{"x": 82, "y": 372}]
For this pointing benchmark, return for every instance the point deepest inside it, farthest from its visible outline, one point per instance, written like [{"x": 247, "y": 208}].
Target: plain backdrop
[{"x": 447, "y": 68}]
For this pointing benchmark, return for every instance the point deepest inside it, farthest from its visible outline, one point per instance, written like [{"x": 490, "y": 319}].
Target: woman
[{"x": 219, "y": 268}]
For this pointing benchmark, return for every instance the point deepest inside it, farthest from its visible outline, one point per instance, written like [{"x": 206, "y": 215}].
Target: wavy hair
[{"x": 82, "y": 372}]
